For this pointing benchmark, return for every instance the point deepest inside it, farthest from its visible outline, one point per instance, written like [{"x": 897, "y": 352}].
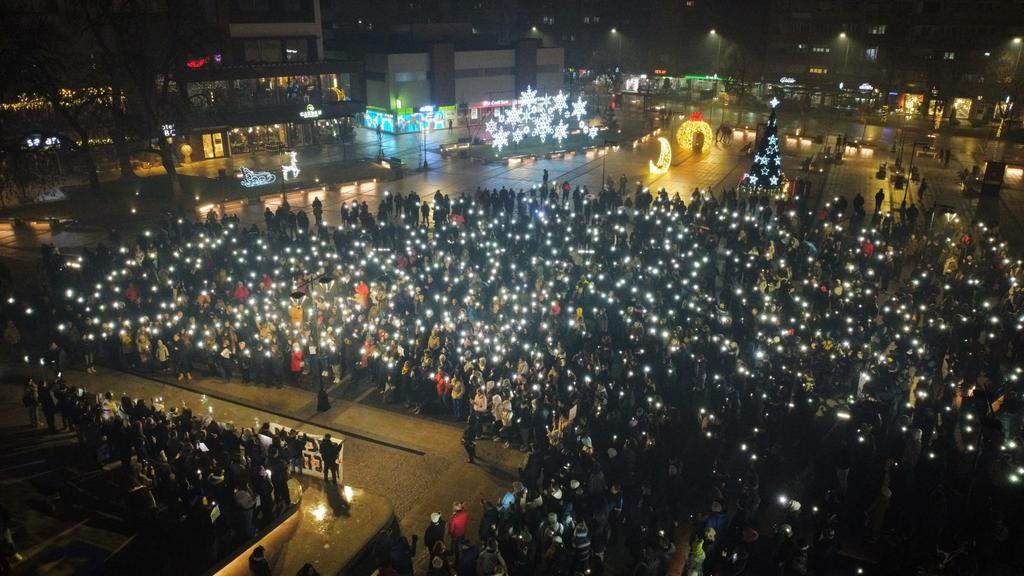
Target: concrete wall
[
  {"x": 377, "y": 93},
  {"x": 409, "y": 79},
  {"x": 484, "y": 75},
  {"x": 475, "y": 59},
  {"x": 550, "y": 70}
]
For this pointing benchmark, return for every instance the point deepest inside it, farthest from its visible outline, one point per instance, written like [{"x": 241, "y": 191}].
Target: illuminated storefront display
[
  {"x": 962, "y": 108},
  {"x": 910, "y": 104},
  {"x": 406, "y": 120}
]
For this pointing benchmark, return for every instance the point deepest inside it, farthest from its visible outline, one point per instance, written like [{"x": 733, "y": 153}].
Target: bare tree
[
  {"x": 59, "y": 82},
  {"x": 143, "y": 46}
]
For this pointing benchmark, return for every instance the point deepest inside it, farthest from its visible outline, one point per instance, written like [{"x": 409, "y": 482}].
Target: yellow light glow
[
  {"x": 688, "y": 131},
  {"x": 664, "y": 158},
  {"x": 319, "y": 512}
]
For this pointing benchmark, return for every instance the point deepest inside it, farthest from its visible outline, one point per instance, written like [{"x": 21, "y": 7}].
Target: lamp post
[
  {"x": 718, "y": 49},
  {"x": 618, "y": 57},
  {"x": 846, "y": 51},
  {"x": 325, "y": 281},
  {"x": 1016, "y": 63},
  {"x": 718, "y": 60}
]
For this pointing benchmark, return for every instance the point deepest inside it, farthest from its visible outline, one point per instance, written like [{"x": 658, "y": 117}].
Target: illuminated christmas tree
[{"x": 765, "y": 174}]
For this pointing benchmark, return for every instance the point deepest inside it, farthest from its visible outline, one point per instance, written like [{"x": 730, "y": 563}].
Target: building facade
[
  {"x": 426, "y": 87},
  {"x": 270, "y": 86},
  {"x": 945, "y": 59}
]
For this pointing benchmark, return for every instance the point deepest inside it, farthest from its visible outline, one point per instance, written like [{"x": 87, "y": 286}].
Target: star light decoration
[
  {"x": 765, "y": 174},
  {"x": 540, "y": 116}
]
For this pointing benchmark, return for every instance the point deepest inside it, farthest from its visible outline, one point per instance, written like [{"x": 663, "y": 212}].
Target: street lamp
[
  {"x": 325, "y": 281},
  {"x": 718, "y": 58},
  {"x": 718, "y": 50},
  {"x": 1016, "y": 63},
  {"x": 618, "y": 58},
  {"x": 846, "y": 52}
]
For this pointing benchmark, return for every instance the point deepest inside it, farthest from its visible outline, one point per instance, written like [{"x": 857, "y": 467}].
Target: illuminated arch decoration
[
  {"x": 664, "y": 158},
  {"x": 695, "y": 125}
]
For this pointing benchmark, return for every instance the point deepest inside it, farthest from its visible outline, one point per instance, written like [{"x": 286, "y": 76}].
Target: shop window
[
  {"x": 267, "y": 50},
  {"x": 296, "y": 50},
  {"x": 410, "y": 76},
  {"x": 270, "y": 50},
  {"x": 252, "y": 50},
  {"x": 949, "y": 55},
  {"x": 213, "y": 145}
]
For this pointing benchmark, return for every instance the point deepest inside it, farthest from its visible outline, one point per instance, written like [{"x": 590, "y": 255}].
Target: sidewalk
[{"x": 416, "y": 464}]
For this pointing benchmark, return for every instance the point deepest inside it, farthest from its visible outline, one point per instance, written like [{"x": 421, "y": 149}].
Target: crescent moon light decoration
[{"x": 664, "y": 158}]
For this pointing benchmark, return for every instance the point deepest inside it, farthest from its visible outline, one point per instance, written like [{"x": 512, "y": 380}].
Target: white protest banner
[{"x": 312, "y": 463}]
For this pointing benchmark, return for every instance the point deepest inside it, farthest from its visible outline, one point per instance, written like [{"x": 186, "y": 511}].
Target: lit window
[
  {"x": 801, "y": 46},
  {"x": 691, "y": 3},
  {"x": 821, "y": 50},
  {"x": 949, "y": 55},
  {"x": 871, "y": 54},
  {"x": 548, "y": 19},
  {"x": 878, "y": 29},
  {"x": 586, "y": 19},
  {"x": 817, "y": 70}
]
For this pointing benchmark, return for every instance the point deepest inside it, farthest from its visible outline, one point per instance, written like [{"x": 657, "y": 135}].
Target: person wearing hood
[{"x": 490, "y": 561}]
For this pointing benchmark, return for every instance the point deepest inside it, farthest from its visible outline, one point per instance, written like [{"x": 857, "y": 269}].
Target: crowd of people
[
  {"x": 188, "y": 481},
  {"x": 653, "y": 355}
]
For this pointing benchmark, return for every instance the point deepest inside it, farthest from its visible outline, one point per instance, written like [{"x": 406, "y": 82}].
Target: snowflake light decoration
[
  {"x": 500, "y": 139},
  {"x": 560, "y": 101},
  {"x": 543, "y": 116},
  {"x": 579, "y": 108},
  {"x": 560, "y": 132}
]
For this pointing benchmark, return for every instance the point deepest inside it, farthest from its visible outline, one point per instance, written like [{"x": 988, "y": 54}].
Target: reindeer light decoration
[{"x": 292, "y": 168}]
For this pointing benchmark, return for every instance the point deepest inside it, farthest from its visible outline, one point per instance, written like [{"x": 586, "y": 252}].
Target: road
[{"x": 721, "y": 166}]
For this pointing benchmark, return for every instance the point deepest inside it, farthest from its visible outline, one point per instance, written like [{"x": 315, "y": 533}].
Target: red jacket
[
  {"x": 458, "y": 523},
  {"x": 241, "y": 293},
  {"x": 132, "y": 293},
  {"x": 296, "y": 360}
]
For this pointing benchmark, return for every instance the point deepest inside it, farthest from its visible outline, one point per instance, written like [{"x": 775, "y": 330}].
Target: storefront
[
  {"x": 213, "y": 145},
  {"x": 825, "y": 95},
  {"x": 231, "y": 141},
  {"x": 406, "y": 120},
  {"x": 909, "y": 104}
]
